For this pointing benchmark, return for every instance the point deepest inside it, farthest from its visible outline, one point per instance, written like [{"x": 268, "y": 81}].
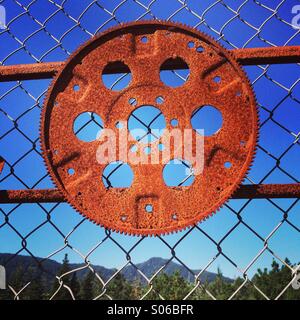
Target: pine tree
[
  {"x": 87, "y": 286},
  {"x": 17, "y": 279},
  {"x": 179, "y": 287},
  {"x": 173, "y": 287},
  {"x": 75, "y": 285},
  {"x": 63, "y": 293},
  {"x": 219, "y": 287},
  {"x": 119, "y": 288},
  {"x": 137, "y": 290},
  {"x": 35, "y": 290}
]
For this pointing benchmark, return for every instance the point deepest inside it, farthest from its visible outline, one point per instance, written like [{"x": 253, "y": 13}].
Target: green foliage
[
  {"x": 174, "y": 287},
  {"x": 69, "y": 281},
  {"x": 87, "y": 287},
  {"x": 36, "y": 289},
  {"x": 119, "y": 288},
  {"x": 274, "y": 281}
]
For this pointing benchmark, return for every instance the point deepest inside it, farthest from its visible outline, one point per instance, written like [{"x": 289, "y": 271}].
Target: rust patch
[
  {"x": 2, "y": 162},
  {"x": 173, "y": 209}
]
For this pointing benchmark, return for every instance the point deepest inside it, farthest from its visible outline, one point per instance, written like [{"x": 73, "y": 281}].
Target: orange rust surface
[
  {"x": 234, "y": 142},
  {"x": 16, "y": 72},
  {"x": 268, "y": 55},
  {"x": 2, "y": 162}
]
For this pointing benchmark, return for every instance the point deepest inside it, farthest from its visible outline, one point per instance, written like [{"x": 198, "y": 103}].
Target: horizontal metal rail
[
  {"x": 249, "y": 56},
  {"x": 269, "y": 191},
  {"x": 269, "y": 55},
  {"x": 32, "y": 71}
]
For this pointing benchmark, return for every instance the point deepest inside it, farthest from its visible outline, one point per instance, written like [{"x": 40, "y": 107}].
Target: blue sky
[{"x": 19, "y": 119}]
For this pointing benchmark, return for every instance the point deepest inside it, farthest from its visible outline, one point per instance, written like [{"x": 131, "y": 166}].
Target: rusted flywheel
[{"x": 173, "y": 208}]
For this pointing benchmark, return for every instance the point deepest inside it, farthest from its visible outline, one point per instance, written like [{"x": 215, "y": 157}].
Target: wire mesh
[{"x": 31, "y": 35}]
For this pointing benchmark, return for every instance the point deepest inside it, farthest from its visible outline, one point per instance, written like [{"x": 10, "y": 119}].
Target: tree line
[{"x": 172, "y": 287}]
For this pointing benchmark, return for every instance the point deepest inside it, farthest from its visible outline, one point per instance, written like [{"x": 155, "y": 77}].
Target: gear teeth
[{"x": 169, "y": 24}]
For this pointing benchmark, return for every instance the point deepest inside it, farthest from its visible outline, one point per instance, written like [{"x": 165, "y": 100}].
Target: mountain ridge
[{"x": 148, "y": 268}]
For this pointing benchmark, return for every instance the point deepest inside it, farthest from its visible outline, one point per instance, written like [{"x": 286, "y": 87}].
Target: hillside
[{"x": 52, "y": 267}]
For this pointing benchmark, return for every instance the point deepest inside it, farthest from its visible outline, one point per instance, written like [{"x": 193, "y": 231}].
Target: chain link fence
[{"x": 244, "y": 235}]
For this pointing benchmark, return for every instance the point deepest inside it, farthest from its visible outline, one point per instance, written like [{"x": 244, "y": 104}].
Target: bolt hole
[
  {"x": 123, "y": 218},
  {"x": 76, "y": 87},
  {"x": 191, "y": 44},
  {"x": 149, "y": 208},
  {"x": 159, "y": 100},
  {"x": 71, "y": 171},
  {"x": 174, "y": 122},
  {"x": 132, "y": 101},
  {"x": 217, "y": 79},
  {"x": 174, "y": 216},
  {"x": 200, "y": 49},
  {"x": 144, "y": 39},
  {"x": 227, "y": 164}
]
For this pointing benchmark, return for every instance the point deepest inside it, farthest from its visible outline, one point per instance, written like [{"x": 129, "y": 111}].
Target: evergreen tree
[
  {"x": 178, "y": 287},
  {"x": 274, "y": 281},
  {"x": 63, "y": 293},
  {"x": 137, "y": 290},
  {"x": 172, "y": 287},
  {"x": 35, "y": 290},
  {"x": 270, "y": 281},
  {"x": 119, "y": 288},
  {"x": 220, "y": 288},
  {"x": 75, "y": 285},
  {"x": 87, "y": 286},
  {"x": 16, "y": 281}
]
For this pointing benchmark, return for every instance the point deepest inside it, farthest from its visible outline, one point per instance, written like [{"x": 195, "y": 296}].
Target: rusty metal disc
[{"x": 173, "y": 208}]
